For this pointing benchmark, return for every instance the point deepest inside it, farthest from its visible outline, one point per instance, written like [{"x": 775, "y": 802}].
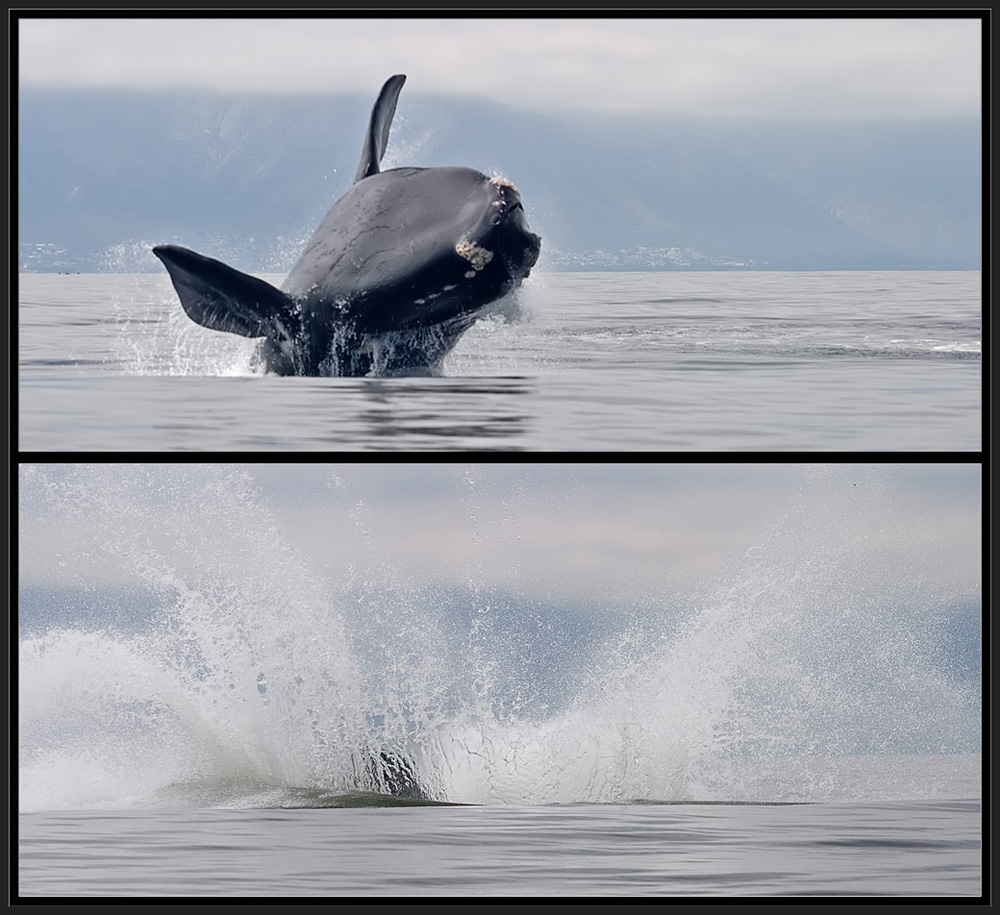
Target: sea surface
[
  {"x": 662, "y": 361},
  {"x": 914, "y": 848}
]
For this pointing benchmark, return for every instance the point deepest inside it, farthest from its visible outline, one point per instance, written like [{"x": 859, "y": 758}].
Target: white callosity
[{"x": 477, "y": 256}]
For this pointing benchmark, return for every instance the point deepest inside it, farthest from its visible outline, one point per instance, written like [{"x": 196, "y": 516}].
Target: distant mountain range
[{"x": 102, "y": 175}]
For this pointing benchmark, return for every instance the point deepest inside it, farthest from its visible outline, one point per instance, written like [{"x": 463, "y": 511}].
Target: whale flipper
[
  {"x": 377, "y": 137},
  {"x": 218, "y": 297}
]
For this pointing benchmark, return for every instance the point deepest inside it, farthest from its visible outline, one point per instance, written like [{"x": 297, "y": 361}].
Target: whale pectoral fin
[
  {"x": 218, "y": 297},
  {"x": 377, "y": 137}
]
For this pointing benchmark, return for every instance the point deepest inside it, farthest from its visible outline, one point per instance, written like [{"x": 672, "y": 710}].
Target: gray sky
[
  {"x": 631, "y": 534},
  {"x": 743, "y": 67}
]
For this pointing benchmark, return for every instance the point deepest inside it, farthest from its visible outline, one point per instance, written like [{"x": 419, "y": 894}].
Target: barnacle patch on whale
[{"x": 476, "y": 255}]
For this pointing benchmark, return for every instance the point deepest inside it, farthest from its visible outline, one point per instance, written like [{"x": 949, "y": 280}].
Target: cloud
[
  {"x": 617, "y": 534},
  {"x": 735, "y": 67}
]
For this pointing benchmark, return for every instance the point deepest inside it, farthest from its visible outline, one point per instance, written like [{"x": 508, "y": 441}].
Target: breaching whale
[{"x": 397, "y": 271}]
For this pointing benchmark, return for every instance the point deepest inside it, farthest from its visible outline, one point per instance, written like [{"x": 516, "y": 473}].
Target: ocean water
[
  {"x": 203, "y": 710},
  {"x": 926, "y": 848},
  {"x": 664, "y": 361}
]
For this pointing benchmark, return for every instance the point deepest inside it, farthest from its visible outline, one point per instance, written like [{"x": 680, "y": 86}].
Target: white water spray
[{"x": 255, "y": 679}]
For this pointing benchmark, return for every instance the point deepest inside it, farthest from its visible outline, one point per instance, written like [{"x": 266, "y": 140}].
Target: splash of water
[
  {"x": 254, "y": 677},
  {"x": 192, "y": 691},
  {"x": 153, "y": 336}
]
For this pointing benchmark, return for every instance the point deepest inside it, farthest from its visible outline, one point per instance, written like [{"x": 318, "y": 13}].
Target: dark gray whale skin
[{"x": 399, "y": 268}]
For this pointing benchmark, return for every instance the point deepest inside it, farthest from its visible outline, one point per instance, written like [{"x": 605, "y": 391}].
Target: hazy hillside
[{"x": 102, "y": 175}]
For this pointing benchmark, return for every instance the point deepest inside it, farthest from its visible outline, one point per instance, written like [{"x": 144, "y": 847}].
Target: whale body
[{"x": 397, "y": 271}]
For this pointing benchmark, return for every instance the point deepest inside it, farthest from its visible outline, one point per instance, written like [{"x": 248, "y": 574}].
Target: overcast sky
[
  {"x": 629, "y": 534},
  {"x": 715, "y": 67}
]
